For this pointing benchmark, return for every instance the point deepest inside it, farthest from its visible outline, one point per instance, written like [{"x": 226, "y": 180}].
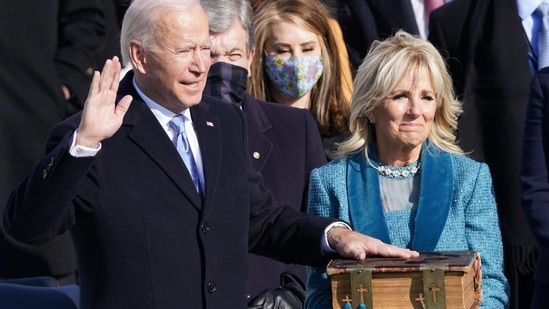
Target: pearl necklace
[{"x": 398, "y": 172}]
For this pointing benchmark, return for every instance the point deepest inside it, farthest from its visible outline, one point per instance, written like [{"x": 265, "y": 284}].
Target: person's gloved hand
[{"x": 289, "y": 295}]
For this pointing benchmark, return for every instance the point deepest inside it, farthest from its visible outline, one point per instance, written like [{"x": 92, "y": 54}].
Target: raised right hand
[{"x": 101, "y": 117}]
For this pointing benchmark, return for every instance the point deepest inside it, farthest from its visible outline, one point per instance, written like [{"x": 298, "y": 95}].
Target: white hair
[{"x": 140, "y": 21}]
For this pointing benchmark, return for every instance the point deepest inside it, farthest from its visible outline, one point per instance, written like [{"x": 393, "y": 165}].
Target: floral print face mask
[{"x": 294, "y": 76}]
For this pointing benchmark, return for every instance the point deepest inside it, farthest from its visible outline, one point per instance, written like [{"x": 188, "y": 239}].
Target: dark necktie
[
  {"x": 177, "y": 124},
  {"x": 543, "y": 35}
]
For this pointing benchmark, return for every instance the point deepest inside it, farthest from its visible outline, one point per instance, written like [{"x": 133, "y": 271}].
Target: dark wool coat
[{"x": 143, "y": 236}]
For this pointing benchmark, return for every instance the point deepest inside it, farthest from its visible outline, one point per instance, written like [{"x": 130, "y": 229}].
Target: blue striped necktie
[
  {"x": 177, "y": 124},
  {"x": 543, "y": 35}
]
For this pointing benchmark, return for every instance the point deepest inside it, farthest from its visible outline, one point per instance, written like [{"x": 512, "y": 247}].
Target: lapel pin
[{"x": 209, "y": 124}]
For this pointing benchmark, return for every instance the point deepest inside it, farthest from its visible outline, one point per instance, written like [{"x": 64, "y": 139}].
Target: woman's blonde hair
[
  {"x": 385, "y": 65},
  {"x": 328, "y": 105}
]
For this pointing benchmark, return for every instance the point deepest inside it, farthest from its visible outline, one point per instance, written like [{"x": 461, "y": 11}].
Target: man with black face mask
[{"x": 284, "y": 142}]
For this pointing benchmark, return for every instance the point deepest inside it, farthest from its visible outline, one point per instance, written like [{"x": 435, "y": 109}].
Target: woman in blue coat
[{"x": 401, "y": 177}]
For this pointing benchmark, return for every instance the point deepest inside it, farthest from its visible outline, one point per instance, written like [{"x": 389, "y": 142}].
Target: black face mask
[{"x": 226, "y": 82}]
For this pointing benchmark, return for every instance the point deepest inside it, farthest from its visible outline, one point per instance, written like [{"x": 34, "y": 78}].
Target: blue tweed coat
[{"x": 456, "y": 211}]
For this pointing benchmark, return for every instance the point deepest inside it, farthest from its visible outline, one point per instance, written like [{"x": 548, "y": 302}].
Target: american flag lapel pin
[{"x": 209, "y": 124}]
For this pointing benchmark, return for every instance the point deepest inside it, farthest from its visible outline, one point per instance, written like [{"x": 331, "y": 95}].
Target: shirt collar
[
  {"x": 527, "y": 7},
  {"x": 161, "y": 113}
]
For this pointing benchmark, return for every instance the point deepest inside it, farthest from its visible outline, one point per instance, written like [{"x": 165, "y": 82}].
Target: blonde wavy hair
[{"x": 385, "y": 65}]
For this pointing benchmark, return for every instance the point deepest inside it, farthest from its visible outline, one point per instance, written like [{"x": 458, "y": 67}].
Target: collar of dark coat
[
  {"x": 255, "y": 114},
  {"x": 435, "y": 198},
  {"x": 258, "y": 127},
  {"x": 147, "y": 133}
]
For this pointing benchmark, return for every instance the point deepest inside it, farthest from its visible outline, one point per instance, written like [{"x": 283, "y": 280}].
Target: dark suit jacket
[
  {"x": 487, "y": 51},
  {"x": 285, "y": 146},
  {"x": 535, "y": 168},
  {"x": 364, "y": 21},
  {"x": 144, "y": 238},
  {"x": 42, "y": 45}
]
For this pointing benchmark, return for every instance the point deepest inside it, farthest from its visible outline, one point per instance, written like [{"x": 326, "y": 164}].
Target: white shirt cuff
[
  {"x": 79, "y": 151},
  {"x": 325, "y": 245}
]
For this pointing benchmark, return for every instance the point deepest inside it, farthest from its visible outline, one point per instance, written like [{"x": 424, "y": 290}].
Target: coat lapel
[
  {"x": 364, "y": 196},
  {"x": 476, "y": 26},
  {"x": 365, "y": 206},
  {"x": 434, "y": 205},
  {"x": 208, "y": 132},
  {"x": 258, "y": 124},
  {"x": 152, "y": 139}
]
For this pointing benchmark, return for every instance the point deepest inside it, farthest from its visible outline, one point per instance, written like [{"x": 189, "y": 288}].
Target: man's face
[
  {"x": 230, "y": 47},
  {"x": 173, "y": 72}
]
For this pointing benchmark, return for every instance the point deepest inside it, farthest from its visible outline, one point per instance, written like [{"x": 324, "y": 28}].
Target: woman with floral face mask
[{"x": 297, "y": 63}]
